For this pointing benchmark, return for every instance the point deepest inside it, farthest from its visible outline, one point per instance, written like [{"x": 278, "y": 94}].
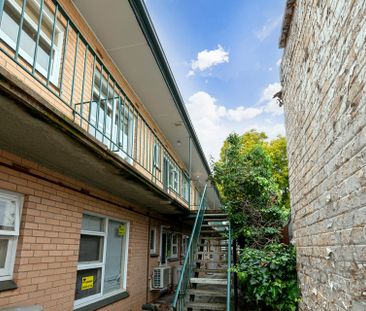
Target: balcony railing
[{"x": 39, "y": 37}]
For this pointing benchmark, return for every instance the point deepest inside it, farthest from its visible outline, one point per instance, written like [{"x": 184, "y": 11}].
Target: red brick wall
[{"x": 48, "y": 245}]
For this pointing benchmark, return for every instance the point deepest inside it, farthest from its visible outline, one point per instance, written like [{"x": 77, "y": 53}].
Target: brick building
[
  {"x": 99, "y": 163},
  {"x": 323, "y": 77}
]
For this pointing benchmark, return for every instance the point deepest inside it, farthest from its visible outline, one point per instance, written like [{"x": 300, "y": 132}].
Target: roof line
[
  {"x": 286, "y": 22},
  {"x": 144, "y": 20}
]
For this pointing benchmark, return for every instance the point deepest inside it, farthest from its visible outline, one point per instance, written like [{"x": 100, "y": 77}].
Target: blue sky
[{"x": 225, "y": 58}]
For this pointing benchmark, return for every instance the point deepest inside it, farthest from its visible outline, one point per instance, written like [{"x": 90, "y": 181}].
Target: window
[
  {"x": 174, "y": 251},
  {"x": 153, "y": 241},
  {"x": 10, "y": 211},
  {"x": 185, "y": 241},
  {"x": 169, "y": 245},
  {"x": 112, "y": 119},
  {"x": 10, "y": 24},
  {"x": 173, "y": 177},
  {"x": 102, "y": 260},
  {"x": 185, "y": 187},
  {"x": 157, "y": 155}
]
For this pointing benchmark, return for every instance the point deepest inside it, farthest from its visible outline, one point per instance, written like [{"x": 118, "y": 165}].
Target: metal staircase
[{"x": 205, "y": 283}]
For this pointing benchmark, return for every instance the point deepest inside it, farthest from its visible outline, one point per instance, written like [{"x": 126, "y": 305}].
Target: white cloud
[
  {"x": 278, "y": 63},
  {"x": 214, "y": 122},
  {"x": 207, "y": 59},
  {"x": 267, "y": 29},
  {"x": 269, "y": 91},
  {"x": 241, "y": 113},
  {"x": 270, "y": 104}
]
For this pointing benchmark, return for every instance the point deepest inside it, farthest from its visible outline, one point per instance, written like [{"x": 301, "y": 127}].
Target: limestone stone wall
[{"x": 323, "y": 75}]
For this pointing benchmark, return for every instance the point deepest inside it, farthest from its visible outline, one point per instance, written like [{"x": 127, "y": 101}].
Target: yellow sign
[
  {"x": 87, "y": 282},
  {"x": 121, "y": 230}
]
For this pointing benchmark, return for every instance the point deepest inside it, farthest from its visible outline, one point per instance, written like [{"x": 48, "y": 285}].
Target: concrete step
[
  {"x": 212, "y": 252},
  {"x": 213, "y": 225},
  {"x": 206, "y": 306},
  {"x": 207, "y": 292},
  {"x": 212, "y": 214},
  {"x": 219, "y": 270},
  {"x": 217, "y": 238},
  {"x": 208, "y": 281}
]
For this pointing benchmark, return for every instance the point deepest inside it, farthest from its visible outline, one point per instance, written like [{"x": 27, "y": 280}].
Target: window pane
[
  {"x": 7, "y": 214},
  {"x": 152, "y": 240},
  {"x": 3, "y": 252},
  {"x": 88, "y": 283},
  {"x": 92, "y": 223},
  {"x": 90, "y": 248},
  {"x": 114, "y": 261}
]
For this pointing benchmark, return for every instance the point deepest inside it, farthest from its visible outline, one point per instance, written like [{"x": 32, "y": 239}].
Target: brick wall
[
  {"x": 48, "y": 245},
  {"x": 323, "y": 77}
]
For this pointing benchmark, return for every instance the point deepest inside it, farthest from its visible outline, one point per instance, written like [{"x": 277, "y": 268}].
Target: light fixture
[{"x": 179, "y": 143}]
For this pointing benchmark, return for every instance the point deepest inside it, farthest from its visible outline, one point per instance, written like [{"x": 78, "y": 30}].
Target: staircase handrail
[{"x": 181, "y": 292}]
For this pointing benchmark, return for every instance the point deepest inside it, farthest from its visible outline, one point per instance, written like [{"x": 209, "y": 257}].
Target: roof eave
[
  {"x": 147, "y": 27},
  {"x": 286, "y": 23}
]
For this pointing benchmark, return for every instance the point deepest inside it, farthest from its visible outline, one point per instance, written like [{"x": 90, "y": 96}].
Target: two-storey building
[{"x": 99, "y": 163}]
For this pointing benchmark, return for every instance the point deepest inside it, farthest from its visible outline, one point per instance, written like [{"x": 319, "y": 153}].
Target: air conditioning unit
[{"x": 161, "y": 277}]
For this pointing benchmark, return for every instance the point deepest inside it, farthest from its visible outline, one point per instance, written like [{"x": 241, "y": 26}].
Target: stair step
[
  {"x": 218, "y": 215},
  {"x": 206, "y": 306},
  {"x": 209, "y": 281},
  {"x": 213, "y": 237},
  {"x": 212, "y": 231},
  {"x": 206, "y": 292},
  {"x": 213, "y": 252},
  {"x": 222, "y": 270},
  {"x": 211, "y": 219},
  {"x": 214, "y": 225}
]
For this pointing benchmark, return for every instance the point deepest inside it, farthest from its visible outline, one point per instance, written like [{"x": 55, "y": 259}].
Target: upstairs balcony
[{"x": 45, "y": 50}]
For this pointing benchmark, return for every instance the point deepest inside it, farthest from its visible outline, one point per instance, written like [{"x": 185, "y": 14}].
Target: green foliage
[
  {"x": 250, "y": 192},
  {"x": 252, "y": 178},
  {"x": 268, "y": 277}
]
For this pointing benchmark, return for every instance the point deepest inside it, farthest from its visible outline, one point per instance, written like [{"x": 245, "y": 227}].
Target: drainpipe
[{"x": 148, "y": 260}]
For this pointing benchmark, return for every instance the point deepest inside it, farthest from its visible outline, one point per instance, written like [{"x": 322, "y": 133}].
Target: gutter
[{"x": 143, "y": 18}]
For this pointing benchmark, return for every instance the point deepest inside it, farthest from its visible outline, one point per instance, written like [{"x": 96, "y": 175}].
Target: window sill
[
  {"x": 103, "y": 302},
  {"x": 154, "y": 255},
  {"x": 7, "y": 285}
]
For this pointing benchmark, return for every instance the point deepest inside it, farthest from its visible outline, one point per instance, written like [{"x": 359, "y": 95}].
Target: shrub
[{"x": 268, "y": 277}]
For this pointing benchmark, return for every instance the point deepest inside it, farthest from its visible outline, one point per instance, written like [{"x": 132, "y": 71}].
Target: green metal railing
[
  {"x": 228, "y": 289},
  {"x": 49, "y": 46},
  {"x": 190, "y": 258}
]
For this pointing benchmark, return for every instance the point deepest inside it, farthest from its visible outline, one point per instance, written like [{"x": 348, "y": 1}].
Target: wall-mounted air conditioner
[{"x": 161, "y": 277}]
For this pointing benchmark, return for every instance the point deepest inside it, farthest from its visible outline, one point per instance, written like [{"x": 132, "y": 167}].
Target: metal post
[
  {"x": 63, "y": 56},
  {"x": 189, "y": 170},
  {"x": 20, "y": 29},
  {"x": 83, "y": 84},
  {"x": 37, "y": 38},
  {"x": 235, "y": 259},
  {"x": 74, "y": 71},
  {"x": 51, "y": 48}
]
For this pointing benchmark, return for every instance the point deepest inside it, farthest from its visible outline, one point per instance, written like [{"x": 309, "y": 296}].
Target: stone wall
[{"x": 323, "y": 77}]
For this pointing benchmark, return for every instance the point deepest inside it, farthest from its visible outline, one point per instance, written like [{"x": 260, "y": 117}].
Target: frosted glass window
[
  {"x": 114, "y": 258},
  {"x": 7, "y": 214},
  {"x": 3, "y": 252}
]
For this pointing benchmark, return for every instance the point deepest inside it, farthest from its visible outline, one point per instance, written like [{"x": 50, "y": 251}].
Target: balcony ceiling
[{"x": 116, "y": 26}]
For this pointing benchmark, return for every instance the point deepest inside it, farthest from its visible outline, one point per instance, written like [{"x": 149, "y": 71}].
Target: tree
[{"x": 252, "y": 178}]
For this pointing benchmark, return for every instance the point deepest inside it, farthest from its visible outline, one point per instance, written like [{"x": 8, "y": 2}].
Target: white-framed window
[
  {"x": 185, "y": 187},
  {"x": 10, "y": 24},
  {"x": 102, "y": 264},
  {"x": 112, "y": 118},
  {"x": 157, "y": 155},
  {"x": 173, "y": 178},
  {"x": 153, "y": 240},
  {"x": 10, "y": 212},
  {"x": 174, "y": 247}
]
